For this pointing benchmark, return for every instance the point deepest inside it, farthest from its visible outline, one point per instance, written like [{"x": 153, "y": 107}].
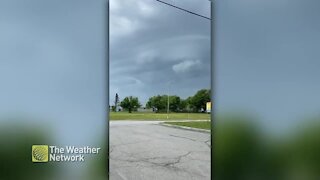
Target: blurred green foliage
[
  {"x": 98, "y": 167},
  {"x": 241, "y": 151},
  {"x": 16, "y": 140}
]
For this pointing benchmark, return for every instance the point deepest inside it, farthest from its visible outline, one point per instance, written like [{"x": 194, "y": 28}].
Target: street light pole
[
  {"x": 168, "y": 99},
  {"x": 168, "y": 107}
]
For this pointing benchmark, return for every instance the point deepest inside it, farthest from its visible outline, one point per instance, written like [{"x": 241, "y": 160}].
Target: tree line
[{"x": 159, "y": 103}]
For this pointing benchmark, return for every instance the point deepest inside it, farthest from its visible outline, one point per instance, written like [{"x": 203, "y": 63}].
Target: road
[{"x": 145, "y": 150}]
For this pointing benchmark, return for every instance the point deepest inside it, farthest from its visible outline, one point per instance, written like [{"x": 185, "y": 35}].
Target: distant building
[{"x": 119, "y": 108}]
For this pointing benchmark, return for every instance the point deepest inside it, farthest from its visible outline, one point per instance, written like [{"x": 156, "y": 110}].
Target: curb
[{"x": 185, "y": 128}]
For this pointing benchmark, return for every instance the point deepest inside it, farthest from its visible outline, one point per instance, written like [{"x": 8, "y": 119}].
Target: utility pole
[
  {"x": 168, "y": 106},
  {"x": 168, "y": 100}
]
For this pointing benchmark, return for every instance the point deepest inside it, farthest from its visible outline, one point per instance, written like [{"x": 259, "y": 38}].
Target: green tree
[
  {"x": 156, "y": 102},
  {"x": 188, "y": 103},
  {"x": 199, "y": 100},
  {"x": 183, "y": 105},
  {"x": 193, "y": 103},
  {"x": 161, "y": 102},
  {"x": 113, "y": 108},
  {"x": 174, "y": 103},
  {"x": 130, "y": 103}
]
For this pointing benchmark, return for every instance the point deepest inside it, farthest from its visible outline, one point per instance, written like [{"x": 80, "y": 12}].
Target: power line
[{"x": 183, "y": 9}]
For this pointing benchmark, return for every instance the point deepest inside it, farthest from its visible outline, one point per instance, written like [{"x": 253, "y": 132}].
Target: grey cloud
[
  {"x": 149, "y": 40},
  {"x": 186, "y": 66}
]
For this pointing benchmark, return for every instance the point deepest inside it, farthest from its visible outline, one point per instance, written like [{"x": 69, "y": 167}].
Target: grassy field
[
  {"x": 158, "y": 116},
  {"x": 193, "y": 124}
]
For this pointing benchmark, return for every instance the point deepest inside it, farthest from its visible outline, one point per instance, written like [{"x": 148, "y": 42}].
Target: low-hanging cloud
[{"x": 186, "y": 66}]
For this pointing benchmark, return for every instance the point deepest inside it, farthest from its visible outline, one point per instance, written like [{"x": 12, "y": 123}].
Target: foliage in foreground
[{"x": 241, "y": 151}]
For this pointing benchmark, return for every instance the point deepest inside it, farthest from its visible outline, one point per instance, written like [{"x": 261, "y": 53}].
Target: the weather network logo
[
  {"x": 40, "y": 153},
  {"x": 49, "y": 153}
]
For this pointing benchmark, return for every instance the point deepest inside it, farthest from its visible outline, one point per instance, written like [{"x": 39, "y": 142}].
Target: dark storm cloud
[{"x": 156, "y": 49}]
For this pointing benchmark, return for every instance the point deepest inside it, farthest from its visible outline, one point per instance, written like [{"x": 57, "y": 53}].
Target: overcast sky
[{"x": 156, "y": 49}]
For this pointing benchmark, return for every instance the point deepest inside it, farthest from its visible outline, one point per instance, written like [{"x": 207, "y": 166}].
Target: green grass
[
  {"x": 193, "y": 124},
  {"x": 158, "y": 116}
]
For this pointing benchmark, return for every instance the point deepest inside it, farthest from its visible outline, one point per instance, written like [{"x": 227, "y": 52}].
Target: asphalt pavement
[{"x": 146, "y": 150}]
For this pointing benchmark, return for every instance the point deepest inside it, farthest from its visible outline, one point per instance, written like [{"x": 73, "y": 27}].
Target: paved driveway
[{"x": 146, "y": 150}]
